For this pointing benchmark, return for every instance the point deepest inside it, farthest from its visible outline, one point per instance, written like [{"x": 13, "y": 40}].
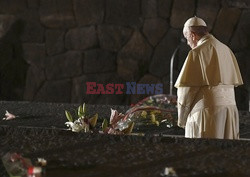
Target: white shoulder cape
[{"x": 210, "y": 63}]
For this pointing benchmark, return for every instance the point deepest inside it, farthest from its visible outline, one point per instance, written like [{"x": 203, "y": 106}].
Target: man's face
[{"x": 191, "y": 38}]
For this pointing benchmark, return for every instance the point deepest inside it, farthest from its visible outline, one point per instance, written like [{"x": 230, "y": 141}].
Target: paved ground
[{"x": 38, "y": 132}]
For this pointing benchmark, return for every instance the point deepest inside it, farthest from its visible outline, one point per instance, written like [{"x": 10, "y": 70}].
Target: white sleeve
[{"x": 186, "y": 96}]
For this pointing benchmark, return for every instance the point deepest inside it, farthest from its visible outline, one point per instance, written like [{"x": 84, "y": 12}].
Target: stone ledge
[
  {"x": 40, "y": 132},
  {"x": 73, "y": 154}
]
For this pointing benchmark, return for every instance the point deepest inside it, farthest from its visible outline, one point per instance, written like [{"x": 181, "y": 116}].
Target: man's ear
[{"x": 193, "y": 36}]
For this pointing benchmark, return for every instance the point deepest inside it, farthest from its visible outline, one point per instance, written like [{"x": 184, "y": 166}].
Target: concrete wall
[{"x": 49, "y": 49}]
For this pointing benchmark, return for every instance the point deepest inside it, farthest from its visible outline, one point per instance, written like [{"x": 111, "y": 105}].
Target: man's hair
[{"x": 199, "y": 30}]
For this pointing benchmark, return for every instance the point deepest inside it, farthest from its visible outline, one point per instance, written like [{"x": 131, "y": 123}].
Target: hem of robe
[{"x": 220, "y": 122}]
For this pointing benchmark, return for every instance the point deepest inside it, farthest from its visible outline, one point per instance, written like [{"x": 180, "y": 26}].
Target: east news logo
[{"x": 128, "y": 88}]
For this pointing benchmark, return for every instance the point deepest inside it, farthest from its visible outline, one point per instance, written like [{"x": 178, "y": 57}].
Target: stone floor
[{"x": 40, "y": 132}]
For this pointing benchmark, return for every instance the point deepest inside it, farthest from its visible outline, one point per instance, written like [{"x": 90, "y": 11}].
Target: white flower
[
  {"x": 78, "y": 125},
  {"x": 9, "y": 116},
  {"x": 115, "y": 116},
  {"x": 69, "y": 124}
]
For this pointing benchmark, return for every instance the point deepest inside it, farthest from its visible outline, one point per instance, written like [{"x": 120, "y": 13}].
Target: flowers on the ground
[
  {"x": 154, "y": 110},
  {"x": 114, "y": 124},
  {"x": 9, "y": 116},
  {"x": 83, "y": 122},
  {"x": 115, "y": 116}
]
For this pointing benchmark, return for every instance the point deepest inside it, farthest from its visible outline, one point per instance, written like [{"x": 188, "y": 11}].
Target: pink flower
[
  {"x": 115, "y": 116},
  {"x": 111, "y": 131},
  {"x": 9, "y": 116}
]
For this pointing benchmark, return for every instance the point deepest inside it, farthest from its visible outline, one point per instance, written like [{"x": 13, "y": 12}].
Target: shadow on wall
[{"x": 12, "y": 65}]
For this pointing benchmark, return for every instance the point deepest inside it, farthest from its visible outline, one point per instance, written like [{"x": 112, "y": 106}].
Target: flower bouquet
[{"x": 156, "y": 110}]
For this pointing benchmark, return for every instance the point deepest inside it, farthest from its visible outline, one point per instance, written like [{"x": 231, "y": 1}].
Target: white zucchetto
[{"x": 195, "y": 21}]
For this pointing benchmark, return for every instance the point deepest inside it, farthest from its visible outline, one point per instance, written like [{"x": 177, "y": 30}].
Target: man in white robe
[{"x": 205, "y": 86}]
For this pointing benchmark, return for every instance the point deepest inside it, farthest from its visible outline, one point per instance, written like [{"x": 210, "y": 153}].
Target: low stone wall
[
  {"x": 70, "y": 154},
  {"x": 52, "y": 115},
  {"x": 40, "y": 132},
  {"x": 67, "y": 43}
]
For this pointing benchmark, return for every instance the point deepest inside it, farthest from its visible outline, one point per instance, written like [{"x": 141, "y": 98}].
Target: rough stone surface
[
  {"x": 113, "y": 37},
  {"x": 154, "y": 29},
  {"x": 110, "y": 99},
  {"x": 137, "y": 48},
  {"x": 146, "y": 79},
  {"x": 67, "y": 65},
  {"x": 181, "y": 11},
  {"x": 241, "y": 36},
  {"x": 6, "y": 23},
  {"x": 242, "y": 4},
  {"x": 34, "y": 54},
  {"x": 149, "y": 8},
  {"x": 208, "y": 10},
  {"x": 166, "y": 83},
  {"x": 123, "y": 12},
  {"x": 149, "y": 79},
  {"x": 35, "y": 79},
  {"x": 32, "y": 30},
  {"x": 33, "y": 4},
  {"x": 79, "y": 89},
  {"x": 178, "y": 63},
  {"x": 133, "y": 59},
  {"x": 241, "y": 94},
  {"x": 6, "y": 54},
  {"x": 138, "y": 155},
  {"x": 99, "y": 61},
  {"x": 244, "y": 64},
  {"x": 133, "y": 31},
  {"x": 40, "y": 132},
  {"x": 55, "y": 91},
  {"x": 55, "y": 14},
  {"x": 13, "y": 80},
  {"x": 128, "y": 69},
  {"x": 181, "y": 56},
  {"x": 54, "y": 41},
  {"x": 224, "y": 34},
  {"x": 81, "y": 38},
  {"x": 12, "y": 7},
  {"x": 13, "y": 67},
  {"x": 160, "y": 63},
  {"x": 89, "y": 12},
  {"x": 164, "y": 8}
]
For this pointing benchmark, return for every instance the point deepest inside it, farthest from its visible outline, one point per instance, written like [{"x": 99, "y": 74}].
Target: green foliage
[
  {"x": 69, "y": 116},
  {"x": 93, "y": 120},
  {"x": 81, "y": 111},
  {"x": 129, "y": 129},
  {"x": 104, "y": 124},
  {"x": 82, "y": 121}
]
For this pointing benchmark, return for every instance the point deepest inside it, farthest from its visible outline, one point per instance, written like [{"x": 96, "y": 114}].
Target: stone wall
[{"x": 49, "y": 49}]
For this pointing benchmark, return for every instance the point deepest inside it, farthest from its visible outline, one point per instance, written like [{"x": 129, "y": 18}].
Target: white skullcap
[{"x": 194, "y": 21}]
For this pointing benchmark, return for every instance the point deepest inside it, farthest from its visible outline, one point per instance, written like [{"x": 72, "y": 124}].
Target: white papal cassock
[{"x": 205, "y": 90}]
